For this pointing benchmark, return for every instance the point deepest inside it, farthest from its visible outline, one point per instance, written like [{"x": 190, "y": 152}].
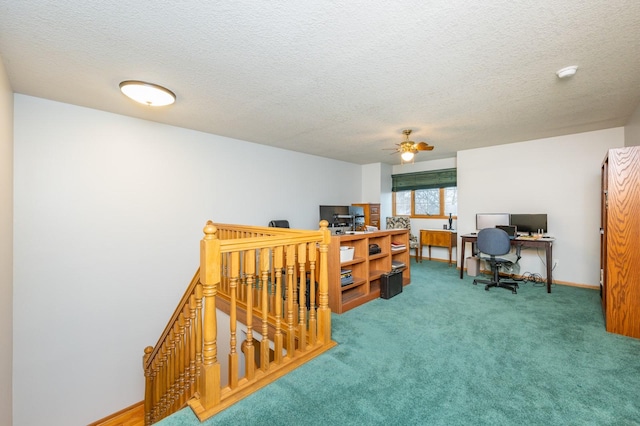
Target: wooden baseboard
[
  {"x": 570, "y": 284},
  {"x": 130, "y": 416}
]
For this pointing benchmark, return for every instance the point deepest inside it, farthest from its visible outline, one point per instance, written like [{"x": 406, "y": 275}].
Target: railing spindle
[
  {"x": 290, "y": 335},
  {"x": 157, "y": 391},
  {"x": 199, "y": 341},
  {"x": 165, "y": 388},
  {"x": 302, "y": 296},
  {"x": 180, "y": 360},
  {"x": 186, "y": 348},
  {"x": 171, "y": 359},
  {"x": 250, "y": 273},
  {"x": 278, "y": 338},
  {"x": 193, "y": 339},
  {"x": 234, "y": 272},
  {"x": 264, "y": 343},
  {"x": 313, "y": 323}
]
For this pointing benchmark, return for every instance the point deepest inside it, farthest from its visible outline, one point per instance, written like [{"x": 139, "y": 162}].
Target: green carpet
[{"x": 446, "y": 352}]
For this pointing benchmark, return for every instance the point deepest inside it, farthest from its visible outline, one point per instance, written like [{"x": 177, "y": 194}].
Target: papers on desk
[
  {"x": 519, "y": 237},
  {"x": 534, "y": 238}
]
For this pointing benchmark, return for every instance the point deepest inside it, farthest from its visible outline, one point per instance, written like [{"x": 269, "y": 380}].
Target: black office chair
[
  {"x": 279, "y": 224},
  {"x": 494, "y": 243}
]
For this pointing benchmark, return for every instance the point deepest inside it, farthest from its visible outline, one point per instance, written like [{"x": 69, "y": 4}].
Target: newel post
[
  {"x": 149, "y": 385},
  {"x": 210, "y": 279},
  {"x": 324, "y": 312}
]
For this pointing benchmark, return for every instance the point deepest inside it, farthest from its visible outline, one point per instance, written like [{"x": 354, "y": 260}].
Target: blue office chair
[{"x": 494, "y": 246}]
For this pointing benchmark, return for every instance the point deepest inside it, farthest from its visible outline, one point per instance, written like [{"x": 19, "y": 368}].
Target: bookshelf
[{"x": 366, "y": 269}]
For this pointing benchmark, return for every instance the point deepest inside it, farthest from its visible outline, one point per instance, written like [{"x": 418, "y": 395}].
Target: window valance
[{"x": 424, "y": 180}]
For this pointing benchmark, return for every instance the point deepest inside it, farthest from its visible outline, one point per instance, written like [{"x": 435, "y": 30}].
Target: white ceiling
[{"x": 339, "y": 79}]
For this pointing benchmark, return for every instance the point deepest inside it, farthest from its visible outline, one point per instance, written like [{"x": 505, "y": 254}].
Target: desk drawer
[{"x": 436, "y": 238}]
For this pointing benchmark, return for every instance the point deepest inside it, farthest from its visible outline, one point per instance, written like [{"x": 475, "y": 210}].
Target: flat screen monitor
[
  {"x": 491, "y": 220},
  {"x": 329, "y": 214},
  {"x": 529, "y": 223},
  {"x": 356, "y": 211}
]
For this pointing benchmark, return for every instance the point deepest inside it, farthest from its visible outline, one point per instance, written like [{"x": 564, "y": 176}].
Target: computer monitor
[
  {"x": 491, "y": 220},
  {"x": 330, "y": 213},
  {"x": 356, "y": 211},
  {"x": 529, "y": 223}
]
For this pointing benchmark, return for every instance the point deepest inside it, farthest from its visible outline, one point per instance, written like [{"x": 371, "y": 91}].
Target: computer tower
[
  {"x": 473, "y": 266},
  {"x": 390, "y": 284}
]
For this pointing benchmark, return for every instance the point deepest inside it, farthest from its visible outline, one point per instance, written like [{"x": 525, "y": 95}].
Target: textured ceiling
[{"x": 339, "y": 79}]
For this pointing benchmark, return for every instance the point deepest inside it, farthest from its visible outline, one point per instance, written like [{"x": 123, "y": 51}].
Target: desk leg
[
  {"x": 449, "y": 256},
  {"x": 549, "y": 266},
  {"x": 462, "y": 259}
]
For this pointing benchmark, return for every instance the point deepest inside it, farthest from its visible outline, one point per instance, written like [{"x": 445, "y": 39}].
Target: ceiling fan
[{"x": 408, "y": 148}]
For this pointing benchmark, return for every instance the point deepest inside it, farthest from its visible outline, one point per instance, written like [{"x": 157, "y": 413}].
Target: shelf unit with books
[{"x": 366, "y": 269}]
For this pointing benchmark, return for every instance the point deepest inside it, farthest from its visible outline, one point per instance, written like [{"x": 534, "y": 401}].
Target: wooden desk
[
  {"x": 546, "y": 243},
  {"x": 437, "y": 238}
]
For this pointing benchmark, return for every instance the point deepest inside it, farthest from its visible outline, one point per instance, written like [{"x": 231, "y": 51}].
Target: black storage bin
[{"x": 390, "y": 284}]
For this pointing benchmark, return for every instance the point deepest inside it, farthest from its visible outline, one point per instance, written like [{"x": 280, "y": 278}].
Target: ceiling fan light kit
[
  {"x": 407, "y": 156},
  {"x": 408, "y": 148}
]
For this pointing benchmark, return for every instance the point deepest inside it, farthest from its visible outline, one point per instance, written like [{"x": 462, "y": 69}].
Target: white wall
[
  {"x": 632, "y": 129},
  {"x": 370, "y": 192},
  {"x": 109, "y": 212},
  {"x": 559, "y": 176},
  {"x": 386, "y": 201},
  {"x": 6, "y": 246},
  {"x": 376, "y": 188}
]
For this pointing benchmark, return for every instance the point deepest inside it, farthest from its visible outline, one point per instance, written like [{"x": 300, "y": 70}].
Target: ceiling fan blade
[{"x": 423, "y": 146}]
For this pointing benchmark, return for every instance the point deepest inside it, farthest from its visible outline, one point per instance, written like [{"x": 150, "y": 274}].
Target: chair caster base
[{"x": 508, "y": 286}]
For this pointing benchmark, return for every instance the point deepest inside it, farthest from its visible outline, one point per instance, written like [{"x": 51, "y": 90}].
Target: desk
[
  {"x": 437, "y": 238},
  {"x": 546, "y": 243}
]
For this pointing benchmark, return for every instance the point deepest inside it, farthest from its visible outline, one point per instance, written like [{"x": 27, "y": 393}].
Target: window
[
  {"x": 451, "y": 201},
  {"x": 434, "y": 203},
  {"x": 431, "y": 194},
  {"x": 402, "y": 203}
]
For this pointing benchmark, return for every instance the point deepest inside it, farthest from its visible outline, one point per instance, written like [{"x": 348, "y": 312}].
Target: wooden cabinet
[
  {"x": 371, "y": 214},
  {"x": 620, "y": 241},
  {"x": 366, "y": 269},
  {"x": 437, "y": 238}
]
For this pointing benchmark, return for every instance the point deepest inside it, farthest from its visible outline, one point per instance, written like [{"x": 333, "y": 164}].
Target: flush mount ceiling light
[
  {"x": 567, "y": 72},
  {"x": 147, "y": 93}
]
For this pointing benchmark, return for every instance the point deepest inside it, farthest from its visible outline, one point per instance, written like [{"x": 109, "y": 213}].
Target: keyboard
[{"x": 532, "y": 238}]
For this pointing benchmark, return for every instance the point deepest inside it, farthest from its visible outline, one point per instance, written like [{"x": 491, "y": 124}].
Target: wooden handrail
[{"x": 260, "y": 276}]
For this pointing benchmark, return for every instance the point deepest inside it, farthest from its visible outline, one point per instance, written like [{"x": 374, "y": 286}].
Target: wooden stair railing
[{"x": 258, "y": 276}]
